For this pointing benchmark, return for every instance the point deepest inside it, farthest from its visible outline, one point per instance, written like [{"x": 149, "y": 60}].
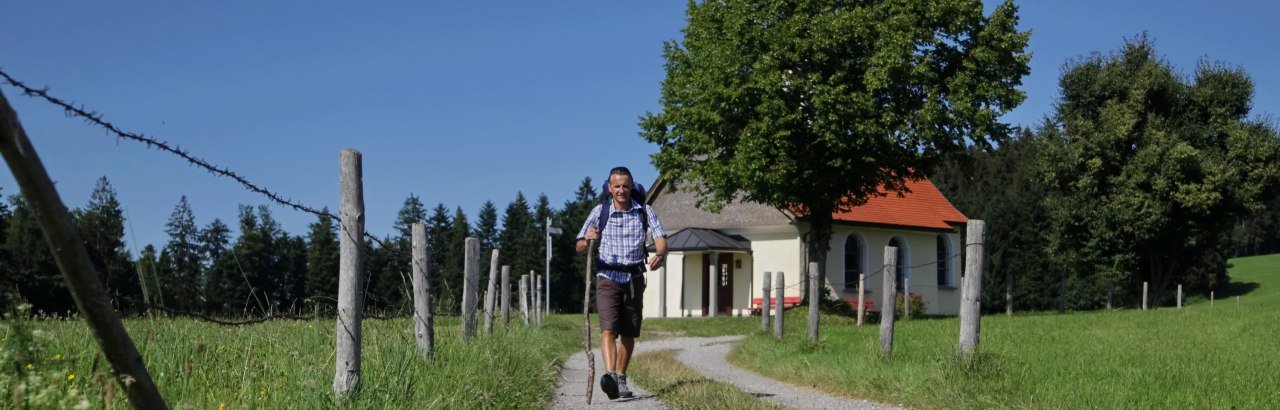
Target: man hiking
[{"x": 619, "y": 224}]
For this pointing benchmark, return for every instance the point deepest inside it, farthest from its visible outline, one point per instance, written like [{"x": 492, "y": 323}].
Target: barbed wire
[{"x": 95, "y": 118}]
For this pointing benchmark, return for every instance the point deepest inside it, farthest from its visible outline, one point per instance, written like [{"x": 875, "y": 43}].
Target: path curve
[{"x": 706, "y": 355}]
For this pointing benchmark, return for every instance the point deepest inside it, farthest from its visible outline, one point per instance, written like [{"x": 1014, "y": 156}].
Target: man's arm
[{"x": 660, "y": 245}]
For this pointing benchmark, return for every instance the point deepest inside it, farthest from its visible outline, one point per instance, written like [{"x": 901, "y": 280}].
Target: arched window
[
  {"x": 900, "y": 270},
  {"x": 944, "y": 261},
  {"x": 853, "y": 257}
]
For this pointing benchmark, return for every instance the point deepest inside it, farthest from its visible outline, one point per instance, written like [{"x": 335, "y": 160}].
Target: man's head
[{"x": 620, "y": 186}]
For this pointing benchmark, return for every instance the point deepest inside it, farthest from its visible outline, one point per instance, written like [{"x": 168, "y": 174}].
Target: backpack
[{"x": 637, "y": 196}]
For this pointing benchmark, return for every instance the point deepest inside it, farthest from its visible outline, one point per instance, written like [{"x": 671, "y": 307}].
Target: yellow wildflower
[
  {"x": 222, "y": 406},
  {"x": 29, "y": 367},
  {"x": 71, "y": 376},
  {"x": 57, "y": 357},
  {"x": 262, "y": 393}
]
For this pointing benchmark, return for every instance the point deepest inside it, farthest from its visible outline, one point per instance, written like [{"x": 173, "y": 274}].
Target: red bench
[{"x": 787, "y": 302}]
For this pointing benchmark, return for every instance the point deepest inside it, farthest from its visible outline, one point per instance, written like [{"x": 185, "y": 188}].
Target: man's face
[{"x": 620, "y": 188}]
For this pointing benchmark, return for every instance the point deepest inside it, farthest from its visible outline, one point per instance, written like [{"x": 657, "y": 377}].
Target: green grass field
[
  {"x": 1195, "y": 357},
  {"x": 1198, "y": 356}
]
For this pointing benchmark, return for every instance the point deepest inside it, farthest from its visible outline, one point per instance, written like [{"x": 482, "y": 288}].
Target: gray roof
[
  {"x": 677, "y": 209},
  {"x": 698, "y": 239}
]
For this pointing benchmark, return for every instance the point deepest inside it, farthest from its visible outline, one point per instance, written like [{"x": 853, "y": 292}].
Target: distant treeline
[{"x": 256, "y": 268}]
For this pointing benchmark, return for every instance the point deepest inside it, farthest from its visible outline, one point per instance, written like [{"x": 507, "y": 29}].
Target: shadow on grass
[{"x": 1239, "y": 288}]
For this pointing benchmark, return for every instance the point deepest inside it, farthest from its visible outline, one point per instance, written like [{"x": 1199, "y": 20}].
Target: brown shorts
[{"x": 620, "y": 306}]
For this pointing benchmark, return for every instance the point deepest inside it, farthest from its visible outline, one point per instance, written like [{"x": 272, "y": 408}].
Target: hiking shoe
[
  {"x": 623, "y": 390},
  {"x": 609, "y": 385}
]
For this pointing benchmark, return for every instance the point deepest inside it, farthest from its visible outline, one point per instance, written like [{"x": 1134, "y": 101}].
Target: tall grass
[
  {"x": 684, "y": 388},
  {"x": 1197, "y": 356},
  {"x": 290, "y": 364}
]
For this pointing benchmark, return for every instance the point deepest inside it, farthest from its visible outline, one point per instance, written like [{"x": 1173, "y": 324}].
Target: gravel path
[{"x": 705, "y": 355}]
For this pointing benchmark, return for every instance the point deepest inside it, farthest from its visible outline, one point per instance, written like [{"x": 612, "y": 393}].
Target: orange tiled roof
[{"x": 923, "y": 207}]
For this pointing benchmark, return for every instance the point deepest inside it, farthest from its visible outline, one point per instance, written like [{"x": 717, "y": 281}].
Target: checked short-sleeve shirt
[{"x": 622, "y": 241}]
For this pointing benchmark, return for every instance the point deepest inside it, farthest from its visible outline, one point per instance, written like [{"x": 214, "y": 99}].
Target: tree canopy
[{"x": 818, "y": 105}]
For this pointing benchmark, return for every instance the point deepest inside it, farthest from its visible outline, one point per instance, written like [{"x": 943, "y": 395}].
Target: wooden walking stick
[{"x": 586, "y": 318}]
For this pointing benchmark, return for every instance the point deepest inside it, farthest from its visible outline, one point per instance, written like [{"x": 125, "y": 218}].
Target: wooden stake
[
  {"x": 423, "y": 317},
  {"x": 350, "y": 279},
  {"x": 470, "y": 287},
  {"x": 506, "y": 296},
  {"x": 1179, "y": 296},
  {"x": 862, "y": 298},
  {"x": 1144, "y": 295},
  {"x": 524, "y": 298},
  {"x": 781, "y": 290},
  {"x": 78, "y": 272},
  {"x": 764, "y": 302},
  {"x": 537, "y": 298},
  {"x": 490, "y": 290},
  {"x": 888, "y": 302},
  {"x": 815, "y": 302},
  {"x": 971, "y": 294}
]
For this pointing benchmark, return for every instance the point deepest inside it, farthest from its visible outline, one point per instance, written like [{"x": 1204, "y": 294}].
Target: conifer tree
[
  {"x": 322, "y": 262},
  {"x": 101, "y": 225},
  {"x": 182, "y": 272}
]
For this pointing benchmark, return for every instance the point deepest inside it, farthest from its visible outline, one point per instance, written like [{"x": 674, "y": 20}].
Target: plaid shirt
[{"x": 622, "y": 242}]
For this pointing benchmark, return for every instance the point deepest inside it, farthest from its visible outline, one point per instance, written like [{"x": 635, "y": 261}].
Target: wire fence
[{"x": 97, "y": 119}]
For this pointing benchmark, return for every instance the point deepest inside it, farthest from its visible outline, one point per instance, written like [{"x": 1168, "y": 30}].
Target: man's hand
[
  {"x": 593, "y": 234},
  {"x": 655, "y": 261}
]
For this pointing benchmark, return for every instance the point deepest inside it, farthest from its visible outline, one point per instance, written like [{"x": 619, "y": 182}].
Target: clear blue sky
[{"x": 457, "y": 102}]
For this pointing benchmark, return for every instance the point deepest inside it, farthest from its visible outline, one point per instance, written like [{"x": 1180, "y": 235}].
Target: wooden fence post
[
  {"x": 890, "y": 287},
  {"x": 506, "y": 296},
  {"x": 1179, "y": 296},
  {"x": 862, "y": 298},
  {"x": 524, "y": 298},
  {"x": 537, "y": 299},
  {"x": 780, "y": 288},
  {"x": 1144, "y": 295},
  {"x": 423, "y": 319},
  {"x": 764, "y": 302},
  {"x": 490, "y": 290},
  {"x": 1237, "y": 301},
  {"x": 713, "y": 287},
  {"x": 1008, "y": 293},
  {"x": 1210, "y": 298},
  {"x": 662, "y": 289},
  {"x": 470, "y": 287},
  {"x": 350, "y": 279},
  {"x": 815, "y": 302},
  {"x": 971, "y": 295},
  {"x": 906, "y": 296},
  {"x": 78, "y": 272},
  {"x": 1110, "y": 289}
]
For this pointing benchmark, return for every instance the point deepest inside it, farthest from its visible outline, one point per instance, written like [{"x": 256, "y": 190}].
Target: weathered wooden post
[
  {"x": 1211, "y": 299},
  {"x": 470, "y": 287},
  {"x": 888, "y": 303},
  {"x": 423, "y": 318},
  {"x": 815, "y": 302},
  {"x": 862, "y": 298},
  {"x": 586, "y": 318},
  {"x": 78, "y": 271},
  {"x": 780, "y": 288},
  {"x": 506, "y": 295},
  {"x": 350, "y": 281},
  {"x": 1179, "y": 296},
  {"x": 524, "y": 298},
  {"x": 971, "y": 295},
  {"x": 1110, "y": 290},
  {"x": 1237, "y": 301},
  {"x": 1144, "y": 295},
  {"x": 764, "y": 302},
  {"x": 490, "y": 290},
  {"x": 662, "y": 289},
  {"x": 1008, "y": 294},
  {"x": 906, "y": 297},
  {"x": 537, "y": 299},
  {"x": 713, "y": 283}
]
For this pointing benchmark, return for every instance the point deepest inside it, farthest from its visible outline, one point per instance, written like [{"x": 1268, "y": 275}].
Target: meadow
[{"x": 1199, "y": 356}]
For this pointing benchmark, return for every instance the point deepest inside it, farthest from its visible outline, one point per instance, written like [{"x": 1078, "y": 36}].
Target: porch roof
[{"x": 700, "y": 239}]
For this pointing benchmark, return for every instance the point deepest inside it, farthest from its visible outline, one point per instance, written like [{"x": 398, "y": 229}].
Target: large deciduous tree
[
  {"x": 1150, "y": 169},
  {"x": 818, "y": 105}
]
